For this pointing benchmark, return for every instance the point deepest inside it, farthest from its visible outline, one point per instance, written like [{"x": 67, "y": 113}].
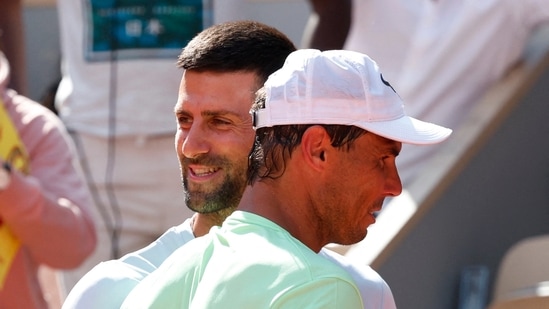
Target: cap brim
[{"x": 408, "y": 130}]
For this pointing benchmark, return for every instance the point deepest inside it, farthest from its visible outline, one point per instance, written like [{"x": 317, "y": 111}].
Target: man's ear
[{"x": 314, "y": 146}]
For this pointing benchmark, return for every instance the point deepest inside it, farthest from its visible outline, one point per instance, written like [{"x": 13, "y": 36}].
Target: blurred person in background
[{"x": 45, "y": 205}]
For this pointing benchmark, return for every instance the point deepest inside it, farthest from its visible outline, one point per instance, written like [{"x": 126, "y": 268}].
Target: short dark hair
[
  {"x": 237, "y": 46},
  {"x": 273, "y": 145}
]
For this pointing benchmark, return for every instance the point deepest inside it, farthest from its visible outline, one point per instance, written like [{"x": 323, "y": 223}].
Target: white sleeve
[
  {"x": 375, "y": 292},
  {"x": 104, "y": 286}
]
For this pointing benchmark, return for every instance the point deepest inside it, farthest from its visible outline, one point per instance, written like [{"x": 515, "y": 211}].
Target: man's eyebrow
[
  {"x": 395, "y": 150},
  {"x": 392, "y": 146},
  {"x": 179, "y": 110},
  {"x": 217, "y": 112}
]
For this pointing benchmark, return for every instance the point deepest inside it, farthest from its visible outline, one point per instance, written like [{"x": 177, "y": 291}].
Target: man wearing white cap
[{"x": 328, "y": 130}]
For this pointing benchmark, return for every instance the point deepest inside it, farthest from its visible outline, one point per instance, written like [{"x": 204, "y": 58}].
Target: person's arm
[
  {"x": 48, "y": 210},
  {"x": 104, "y": 286},
  {"x": 108, "y": 283},
  {"x": 12, "y": 41},
  {"x": 328, "y": 24}
]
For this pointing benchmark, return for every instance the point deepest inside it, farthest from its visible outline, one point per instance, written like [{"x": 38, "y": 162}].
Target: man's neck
[
  {"x": 288, "y": 213},
  {"x": 202, "y": 223}
]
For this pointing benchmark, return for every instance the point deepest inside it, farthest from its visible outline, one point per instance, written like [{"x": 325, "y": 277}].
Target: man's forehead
[
  {"x": 215, "y": 93},
  {"x": 206, "y": 110},
  {"x": 386, "y": 144}
]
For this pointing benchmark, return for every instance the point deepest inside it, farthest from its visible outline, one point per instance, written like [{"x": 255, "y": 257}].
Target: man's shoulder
[
  {"x": 104, "y": 286},
  {"x": 364, "y": 271},
  {"x": 375, "y": 292},
  {"x": 107, "y": 284},
  {"x": 150, "y": 257}
]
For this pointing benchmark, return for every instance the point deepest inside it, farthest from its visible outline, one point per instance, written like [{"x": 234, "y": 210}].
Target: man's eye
[
  {"x": 184, "y": 122},
  {"x": 221, "y": 121},
  {"x": 384, "y": 160}
]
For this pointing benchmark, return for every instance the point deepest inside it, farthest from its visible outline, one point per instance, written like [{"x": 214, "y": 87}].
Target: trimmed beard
[{"x": 224, "y": 197}]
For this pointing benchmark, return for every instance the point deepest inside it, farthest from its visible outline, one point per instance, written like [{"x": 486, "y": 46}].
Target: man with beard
[
  {"x": 223, "y": 68},
  {"x": 328, "y": 130}
]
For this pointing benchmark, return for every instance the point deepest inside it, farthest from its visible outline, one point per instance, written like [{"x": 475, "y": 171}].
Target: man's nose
[
  {"x": 195, "y": 142},
  {"x": 393, "y": 185}
]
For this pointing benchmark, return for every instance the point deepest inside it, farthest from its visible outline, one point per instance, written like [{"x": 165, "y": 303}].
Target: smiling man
[
  {"x": 214, "y": 140},
  {"x": 328, "y": 130}
]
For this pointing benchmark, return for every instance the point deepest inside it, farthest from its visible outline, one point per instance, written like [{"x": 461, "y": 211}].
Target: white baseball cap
[{"x": 340, "y": 87}]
